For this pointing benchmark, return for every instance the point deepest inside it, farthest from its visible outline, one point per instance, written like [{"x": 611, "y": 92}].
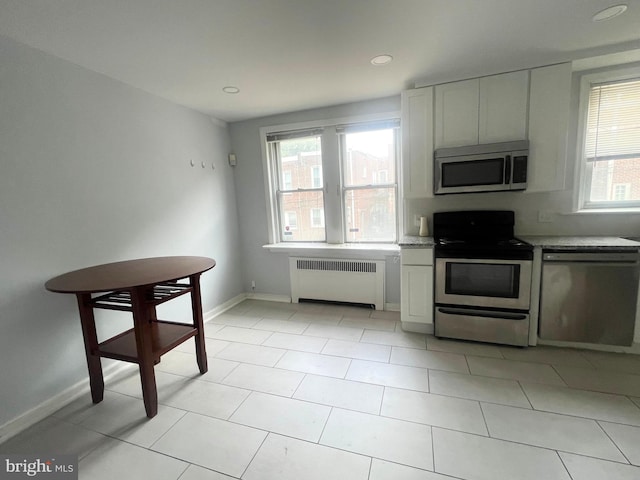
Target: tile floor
[{"x": 312, "y": 391}]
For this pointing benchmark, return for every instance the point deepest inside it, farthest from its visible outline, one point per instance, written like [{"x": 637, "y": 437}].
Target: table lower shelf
[{"x": 164, "y": 337}]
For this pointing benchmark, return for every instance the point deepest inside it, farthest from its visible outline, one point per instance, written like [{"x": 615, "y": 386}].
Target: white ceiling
[{"x": 288, "y": 55}]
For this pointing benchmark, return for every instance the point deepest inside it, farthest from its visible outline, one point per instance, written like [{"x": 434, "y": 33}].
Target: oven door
[{"x": 485, "y": 283}]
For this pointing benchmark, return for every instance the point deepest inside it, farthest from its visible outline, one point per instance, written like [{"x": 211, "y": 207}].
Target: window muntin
[
  {"x": 369, "y": 185},
  {"x": 611, "y": 152}
]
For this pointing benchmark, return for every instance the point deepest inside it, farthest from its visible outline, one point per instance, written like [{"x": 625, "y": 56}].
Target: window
[
  {"x": 296, "y": 158},
  {"x": 333, "y": 183},
  {"x": 370, "y": 202},
  {"x": 317, "y": 218},
  {"x": 611, "y": 143}
]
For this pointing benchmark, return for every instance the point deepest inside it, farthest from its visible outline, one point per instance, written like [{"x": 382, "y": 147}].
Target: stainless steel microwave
[{"x": 481, "y": 168}]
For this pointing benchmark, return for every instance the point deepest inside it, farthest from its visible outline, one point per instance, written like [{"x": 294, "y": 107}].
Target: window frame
[
  {"x": 332, "y": 188},
  {"x": 583, "y": 171}
]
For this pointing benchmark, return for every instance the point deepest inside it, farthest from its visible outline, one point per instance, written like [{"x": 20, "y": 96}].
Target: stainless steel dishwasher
[{"x": 589, "y": 297}]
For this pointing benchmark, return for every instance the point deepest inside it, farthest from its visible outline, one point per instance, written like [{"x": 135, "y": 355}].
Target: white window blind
[{"x": 613, "y": 122}]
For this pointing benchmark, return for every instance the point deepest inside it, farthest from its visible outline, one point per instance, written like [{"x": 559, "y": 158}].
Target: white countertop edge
[{"x": 335, "y": 249}]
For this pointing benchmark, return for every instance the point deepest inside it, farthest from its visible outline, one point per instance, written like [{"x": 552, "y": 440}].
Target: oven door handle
[{"x": 482, "y": 313}]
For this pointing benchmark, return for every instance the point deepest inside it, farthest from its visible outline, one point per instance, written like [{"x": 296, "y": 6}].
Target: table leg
[
  {"x": 144, "y": 347},
  {"x": 196, "y": 307},
  {"x": 96, "y": 380}
]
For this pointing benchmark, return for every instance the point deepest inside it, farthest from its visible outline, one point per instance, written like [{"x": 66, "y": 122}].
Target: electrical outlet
[
  {"x": 545, "y": 216},
  {"x": 253, "y": 284}
]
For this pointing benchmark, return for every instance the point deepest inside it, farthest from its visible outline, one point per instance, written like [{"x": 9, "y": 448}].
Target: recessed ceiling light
[
  {"x": 380, "y": 60},
  {"x": 609, "y": 13},
  {"x": 231, "y": 90}
]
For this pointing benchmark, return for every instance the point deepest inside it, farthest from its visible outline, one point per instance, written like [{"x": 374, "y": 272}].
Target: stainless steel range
[{"x": 482, "y": 277}]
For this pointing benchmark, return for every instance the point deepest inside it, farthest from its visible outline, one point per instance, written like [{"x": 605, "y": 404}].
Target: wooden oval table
[{"x": 137, "y": 286}]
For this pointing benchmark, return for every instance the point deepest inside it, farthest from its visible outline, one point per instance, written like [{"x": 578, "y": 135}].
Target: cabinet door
[
  {"x": 417, "y": 294},
  {"x": 503, "y": 107},
  {"x": 548, "y": 125},
  {"x": 456, "y": 119},
  {"x": 417, "y": 142}
]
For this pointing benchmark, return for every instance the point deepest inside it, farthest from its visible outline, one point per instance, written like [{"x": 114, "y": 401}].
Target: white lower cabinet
[{"x": 416, "y": 309}]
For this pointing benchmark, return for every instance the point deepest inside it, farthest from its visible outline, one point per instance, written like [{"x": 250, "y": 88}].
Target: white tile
[
  {"x": 480, "y": 458},
  {"x": 386, "y": 438},
  {"x": 316, "y": 317},
  {"x": 315, "y": 363},
  {"x": 166, "y": 384},
  {"x": 369, "y": 323},
  {"x": 185, "y": 364},
  {"x": 601, "y": 380},
  {"x": 395, "y": 339},
  {"x": 550, "y": 430},
  {"x": 213, "y": 346},
  {"x": 124, "y": 417},
  {"x": 435, "y": 410},
  {"x": 206, "y": 398},
  {"x": 486, "y": 389},
  {"x": 286, "y": 416},
  {"x": 362, "y": 351},
  {"x": 617, "y": 362},
  {"x": 627, "y": 438},
  {"x": 586, "y": 468},
  {"x": 548, "y": 355},
  {"x": 117, "y": 459},
  {"x": 54, "y": 435},
  {"x": 256, "y": 354},
  {"x": 281, "y": 311},
  {"x": 341, "y": 393},
  {"x": 333, "y": 331},
  {"x": 386, "y": 315},
  {"x": 216, "y": 444},
  {"x": 242, "y": 335},
  {"x": 265, "y": 379},
  {"x": 296, "y": 342},
  {"x": 194, "y": 472},
  {"x": 411, "y": 378},
  {"x": 381, "y": 470},
  {"x": 581, "y": 403},
  {"x": 233, "y": 320},
  {"x": 283, "y": 326},
  {"x": 514, "y": 370},
  {"x": 283, "y": 458},
  {"x": 451, "y": 362},
  {"x": 465, "y": 348}
]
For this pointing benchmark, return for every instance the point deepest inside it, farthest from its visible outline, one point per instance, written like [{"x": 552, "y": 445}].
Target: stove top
[{"x": 478, "y": 234}]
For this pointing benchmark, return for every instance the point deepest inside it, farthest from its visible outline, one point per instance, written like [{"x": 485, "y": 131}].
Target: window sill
[
  {"x": 591, "y": 211},
  {"x": 336, "y": 249}
]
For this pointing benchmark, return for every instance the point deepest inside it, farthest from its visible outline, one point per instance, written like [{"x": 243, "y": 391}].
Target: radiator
[{"x": 353, "y": 281}]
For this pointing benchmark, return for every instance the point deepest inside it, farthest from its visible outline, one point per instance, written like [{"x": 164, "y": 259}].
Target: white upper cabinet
[
  {"x": 482, "y": 110},
  {"x": 417, "y": 142},
  {"x": 456, "y": 116},
  {"x": 548, "y": 127},
  {"x": 503, "y": 107}
]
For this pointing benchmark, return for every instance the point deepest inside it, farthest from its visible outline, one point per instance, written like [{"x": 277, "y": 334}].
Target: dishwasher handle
[{"x": 614, "y": 258}]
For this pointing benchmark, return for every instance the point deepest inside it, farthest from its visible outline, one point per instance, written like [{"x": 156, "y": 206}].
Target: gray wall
[
  {"x": 93, "y": 171},
  {"x": 270, "y": 271}
]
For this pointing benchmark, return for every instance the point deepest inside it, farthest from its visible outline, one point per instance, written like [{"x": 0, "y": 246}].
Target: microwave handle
[{"x": 507, "y": 169}]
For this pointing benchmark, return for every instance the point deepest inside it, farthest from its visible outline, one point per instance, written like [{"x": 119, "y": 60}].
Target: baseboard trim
[
  {"x": 223, "y": 307},
  {"x": 269, "y": 297},
  {"x": 55, "y": 403}
]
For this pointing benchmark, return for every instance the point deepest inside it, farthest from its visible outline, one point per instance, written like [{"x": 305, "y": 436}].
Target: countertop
[
  {"x": 556, "y": 242},
  {"x": 572, "y": 243},
  {"x": 416, "y": 241}
]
